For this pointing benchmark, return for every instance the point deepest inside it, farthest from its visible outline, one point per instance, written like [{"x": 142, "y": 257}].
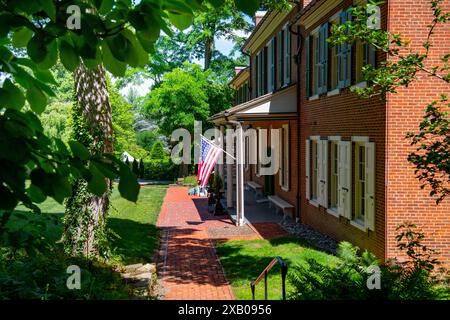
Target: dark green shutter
[{"x": 307, "y": 65}]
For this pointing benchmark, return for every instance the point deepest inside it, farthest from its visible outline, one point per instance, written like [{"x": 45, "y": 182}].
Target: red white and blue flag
[{"x": 209, "y": 154}]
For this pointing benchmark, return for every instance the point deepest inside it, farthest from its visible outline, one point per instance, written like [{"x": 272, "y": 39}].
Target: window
[
  {"x": 333, "y": 193},
  {"x": 360, "y": 180},
  {"x": 271, "y": 49},
  {"x": 284, "y": 157},
  {"x": 317, "y": 61},
  {"x": 364, "y": 183},
  {"x": 287, "y": 56},
  {"x": 315, "y": 169},
  {"x": 280, "y": 74},
  {"x": 344, "y": 55},
  {"x": 365, "y": 54},
  {"x": 334, "y": 59}
]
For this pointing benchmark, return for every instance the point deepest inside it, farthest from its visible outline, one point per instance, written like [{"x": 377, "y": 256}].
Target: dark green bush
[
  {"x": 33, "y": 264},
  {"x": 163, "y": 170},
  {"x": 412, "y": 279}
]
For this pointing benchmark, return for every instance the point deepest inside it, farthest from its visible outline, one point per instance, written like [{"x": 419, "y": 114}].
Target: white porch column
[
  {"x": 229, "y": 161},
  {"x": 221, "y": 165}
]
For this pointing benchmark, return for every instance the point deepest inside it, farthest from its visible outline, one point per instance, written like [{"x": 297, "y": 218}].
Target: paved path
[{"x": 188, "y": 264}]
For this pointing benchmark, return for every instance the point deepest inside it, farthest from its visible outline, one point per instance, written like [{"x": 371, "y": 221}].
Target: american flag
[{"x": 208, "y": 158}]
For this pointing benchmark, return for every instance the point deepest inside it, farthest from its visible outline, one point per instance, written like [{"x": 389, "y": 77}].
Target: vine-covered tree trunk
[
  {"x": 209, "y": 48},
  {"x": 85, "y": 217}
]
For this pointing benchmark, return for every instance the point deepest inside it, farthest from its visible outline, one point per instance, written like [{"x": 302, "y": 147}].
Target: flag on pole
[{"x": 209, "y": 153}]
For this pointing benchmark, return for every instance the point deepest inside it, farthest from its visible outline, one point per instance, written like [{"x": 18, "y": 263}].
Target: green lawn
[
  {"x": 244, "y": 260},
  {"x": 135, "y": 236}
]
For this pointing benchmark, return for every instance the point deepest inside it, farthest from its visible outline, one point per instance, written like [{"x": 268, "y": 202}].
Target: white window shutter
[
  {"x": 370, "y": 186},
  {"x": 345, "y": 177},
  {"x": 319, "y": 172},
  {"x": 324, "y": 174},
  {"x": 280, "y": 158},
  {"x": 287, "y": 156},
  {"x": 307, "y": 168}
]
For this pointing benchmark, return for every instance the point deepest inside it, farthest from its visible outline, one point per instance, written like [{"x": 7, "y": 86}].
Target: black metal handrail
[{"x": 264, "y": 274}]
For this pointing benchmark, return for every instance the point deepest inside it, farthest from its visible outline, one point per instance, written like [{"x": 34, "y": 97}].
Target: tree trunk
[
  {"x": 86, "y": 213},
  {"x": 209, "y": 48}
]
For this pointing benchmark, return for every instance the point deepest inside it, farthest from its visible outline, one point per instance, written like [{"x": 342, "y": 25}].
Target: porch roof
[{"x": 282, "y": 102}]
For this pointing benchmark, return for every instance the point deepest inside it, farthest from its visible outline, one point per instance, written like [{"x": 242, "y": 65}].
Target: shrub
[
  {"x": 135, "y": 168},
  {"x": 163, "y": 169},
  {"x": 157, "y": 152},
  {"x": 141, "y": 169},
  {"x": 409, "y": 280},
  {"x": 190, "y": 180}
]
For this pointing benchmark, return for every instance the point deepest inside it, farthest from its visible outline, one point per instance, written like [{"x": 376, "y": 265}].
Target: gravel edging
[{"x": 311, "y": 236}]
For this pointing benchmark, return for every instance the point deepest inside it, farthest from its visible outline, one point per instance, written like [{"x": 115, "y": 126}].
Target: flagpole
[{"x": 214, "y": 145}]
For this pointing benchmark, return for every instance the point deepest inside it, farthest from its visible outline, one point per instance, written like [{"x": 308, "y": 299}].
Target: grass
[
  {"x": 244, "y": 260},
  {"x": 134, "y": 224},
  {"x": 135, "y": 236},
  {"x": 27, "y": 276}
]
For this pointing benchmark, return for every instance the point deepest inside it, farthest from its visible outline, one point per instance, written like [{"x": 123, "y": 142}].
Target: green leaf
[
  {"x": 106, "y": 6},
  {"x": 108, "y": 170},
  {"x": 36, "y": 194},
  {"x": 45, "y": 75},
  {"x": 21, "y": 37},
  {"x": 181, "y": 21},
  {"x": 248, "y": 7},
  {"x": 68, "y": 56},
  {"x": 147, "y": 44},
  {"x": 97, "y": 184},
  {"x": 7, "y": 199},
  {"x": 37, "y": 49},
  {"x": 128, "y": 185},
  {"x": 61, "y": 187},
  {"x": 79, "y": 150},
  {"x": 49, "y": 8},
  {"x": 11, "y": 96},
  {"x": 51, "y": 56},
  {"x": 37, "y": 99},
  {"x": 117, "y": 68}
]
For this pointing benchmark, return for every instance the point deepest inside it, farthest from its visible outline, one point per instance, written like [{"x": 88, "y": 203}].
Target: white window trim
[
  {"x": 315, "y": 138},
  {"x": 314, "y": 97},
  {"x": 314, "y": 203},
  {"x": 358, "y": 225},
  {"x": 362, "y": 84},
  {"x": 334, "y": 92},
  {"x": 334, "y": 138},
  {"x": 360, "y": 139},
  {"x": 286, "y": 186},
  {"x": 333, "y": 212}
]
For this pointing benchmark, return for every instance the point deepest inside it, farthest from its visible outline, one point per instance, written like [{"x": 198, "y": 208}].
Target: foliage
[
  {"x": 158, "y": 151},
  {"x": 135, "y": 167},
  {"x": 432, "y": 156},
  {"x": 401, "y": 69},
  {"x": 141, "y": 169},
  {"x": 244, "y": 260},
  {"x": 160, "y": 169},
  {"x": 190, "y": 180},
  {"x": 217, "y": 183},
  {"x": 146, "y": 139},
  {"x": 412, "y": 279},
  {"x": 119, "y": 34},
  {"x": 180, "y": 100},
  {"x": 33, "y": 263}
]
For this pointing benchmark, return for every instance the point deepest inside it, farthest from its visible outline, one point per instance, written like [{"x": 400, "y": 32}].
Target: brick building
[{"x": 343, "y": 163}]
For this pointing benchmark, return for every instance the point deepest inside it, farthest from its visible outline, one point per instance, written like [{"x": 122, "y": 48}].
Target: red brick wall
[
  {"x": 405, "y": 200},
  {"x": 344, "y": 115}
]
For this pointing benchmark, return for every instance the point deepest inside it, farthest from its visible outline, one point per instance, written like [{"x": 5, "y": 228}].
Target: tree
[
  {"x": 180, "y": 100},
  {"x": 86, "y": 212},
  {"x": 157, "y": 152},
  {"x": 401, "y": 69},
  {"x": 135, "y": 168},
  {"x": 141, "y": 169}
]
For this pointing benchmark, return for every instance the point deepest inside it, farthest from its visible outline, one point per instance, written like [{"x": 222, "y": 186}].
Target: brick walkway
[{"x": 188, "y": 264}]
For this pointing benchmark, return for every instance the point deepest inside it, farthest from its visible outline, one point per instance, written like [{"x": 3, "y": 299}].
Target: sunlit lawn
[
  {"x": 135, "y": 236},
  {"x": 244, "y": 260}
]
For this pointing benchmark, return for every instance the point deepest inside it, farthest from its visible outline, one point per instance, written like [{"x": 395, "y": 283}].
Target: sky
[{"x": 223, "y": 45}]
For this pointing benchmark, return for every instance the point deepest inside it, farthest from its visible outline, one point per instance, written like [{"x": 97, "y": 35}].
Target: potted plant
[{"x": 217, "y": 189}]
